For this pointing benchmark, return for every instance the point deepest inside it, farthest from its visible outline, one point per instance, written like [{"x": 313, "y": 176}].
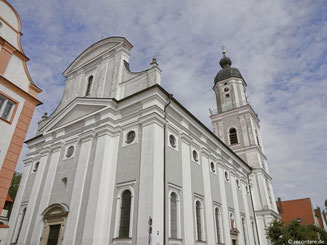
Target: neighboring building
[
  {"x": 300, "y": 210},
  {"x": 5, "y": 211},
  {"x": 120, "y": 161},
  {"x": 17, "y": 96},
  {"x": 237, "y": 125},
  {"x": 4, "y": 218}
]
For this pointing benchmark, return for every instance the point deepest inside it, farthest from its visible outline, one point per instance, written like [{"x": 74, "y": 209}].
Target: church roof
[{"x": 227, "y": 71}]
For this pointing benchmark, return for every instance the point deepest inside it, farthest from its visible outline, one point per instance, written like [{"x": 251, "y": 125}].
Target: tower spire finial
[{"x": 223, "y": 50}]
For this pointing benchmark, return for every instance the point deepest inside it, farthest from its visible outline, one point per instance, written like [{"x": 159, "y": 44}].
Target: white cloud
[{"x": 279, "y": 47}]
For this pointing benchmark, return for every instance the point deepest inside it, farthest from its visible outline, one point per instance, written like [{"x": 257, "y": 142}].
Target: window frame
[
  {"x": 122, "y": 232},
  {"x": 178, "y": 215},
  {"x": 12, "y": 110},
  {"x": 122, "y": 189},
  {"x": 203, "y": 236},
  {"x": 245, "y": 231},
  {"x": 89, "y": 84},
  {"x": 219, "y": 236},
  {"x": 236, "y": 136}
]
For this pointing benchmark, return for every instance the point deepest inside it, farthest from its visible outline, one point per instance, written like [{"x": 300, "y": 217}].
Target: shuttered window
[{"x": 125, "y": 213}]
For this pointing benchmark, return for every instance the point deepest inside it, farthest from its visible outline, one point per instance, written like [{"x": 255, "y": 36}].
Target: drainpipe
[
  {"x": 255, "y": 218},
  {"x": 164, "y": 168}
]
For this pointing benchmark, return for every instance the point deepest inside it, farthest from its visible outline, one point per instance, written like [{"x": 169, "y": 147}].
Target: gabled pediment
[{"x": 77, "y": 110}]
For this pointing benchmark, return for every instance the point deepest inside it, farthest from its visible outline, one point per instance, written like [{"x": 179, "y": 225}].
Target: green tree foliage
[
  {"x": 14, "y": 185},
  {"x": 280, "y": 234}
]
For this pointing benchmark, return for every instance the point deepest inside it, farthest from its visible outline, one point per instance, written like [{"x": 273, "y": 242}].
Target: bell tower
[{"x": 237, "y": 125}]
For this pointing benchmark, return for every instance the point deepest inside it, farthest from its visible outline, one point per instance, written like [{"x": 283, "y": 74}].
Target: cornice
[{"x": 87, "y": 136}]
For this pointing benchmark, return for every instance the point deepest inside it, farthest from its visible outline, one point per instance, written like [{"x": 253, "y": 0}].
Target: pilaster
[
  {"x": 237, "y": 210},
  {"x": 86, "y": 139},
  {"x": 99, "y": 209},
  {"x": 226, "y": 228},
  {"x": 27, "y": 225},
  {"x": 247, "y": 216},
  {"x": 188, "y": 224},
  {"x": 151, "y": 184},
  {"x": 208, "y": 199}
]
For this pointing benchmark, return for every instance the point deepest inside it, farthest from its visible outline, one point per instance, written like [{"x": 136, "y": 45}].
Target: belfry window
[
  {"x": 198, "y": 221},
  {"x": 173, "y": 215},
  {"x": 89, "y": 85},
  {"x": 125, "y": 213},
  {"x": 233, "y": 136}
]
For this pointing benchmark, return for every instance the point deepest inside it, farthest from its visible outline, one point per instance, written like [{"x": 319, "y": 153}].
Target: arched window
[
  {"x": 198, "y": 220},
  {"x": 89, "y": 84},
  {"x": 244, "y": 230},
  {"x": 173, "y": 215},
  {"x": 217, "y": 220},
  {"x": 125, "y": 212},
  {"x": 233, "y": 136},
  {"x": 20, "y": 224},
  {"x": 253, "y": 230}
]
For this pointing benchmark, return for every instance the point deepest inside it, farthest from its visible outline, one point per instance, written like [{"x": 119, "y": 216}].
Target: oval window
[
  {"x": 195, "y": 156},
  {"x": 238, "y": 183},
  {"x": 226, "y": 176},
  {"x": 36, "y": 166},
  {"x": 70, "y": 151},
  {"x": 172, "y": 140},
  {"x": 213, "y": 169},
  {"x": 130, "y": 137}
]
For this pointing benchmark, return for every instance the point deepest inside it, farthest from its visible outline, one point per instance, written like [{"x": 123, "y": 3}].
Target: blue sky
[{"x": 279, "y": 46}]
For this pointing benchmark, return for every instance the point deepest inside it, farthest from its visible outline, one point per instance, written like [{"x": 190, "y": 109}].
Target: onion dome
[{"x": 227, "y": 71}]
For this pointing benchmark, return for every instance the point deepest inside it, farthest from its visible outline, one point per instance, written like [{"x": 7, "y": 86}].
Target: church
[{"x": 121, "y": 161}]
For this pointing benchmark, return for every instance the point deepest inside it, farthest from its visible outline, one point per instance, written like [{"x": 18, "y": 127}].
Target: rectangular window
[{"x": 6, "y": 108}]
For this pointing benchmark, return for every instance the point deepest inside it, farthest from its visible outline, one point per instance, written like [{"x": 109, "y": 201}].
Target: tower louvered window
[
  {"x": 233, "y": 136},
  {"x": 125, "y": 213},
  {"x": 173, "y": 215},
  {"x": 198, "y": 220},
  {"x": 217, "y": 224},
  {"x": 89, "y": 84}
]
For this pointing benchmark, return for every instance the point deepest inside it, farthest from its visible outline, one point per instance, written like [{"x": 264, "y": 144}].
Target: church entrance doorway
[
  {"x": 54, "y": 218},
  {"x": 53, "y": 234}
]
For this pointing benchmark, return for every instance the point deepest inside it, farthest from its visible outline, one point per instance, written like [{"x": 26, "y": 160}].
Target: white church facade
[{"x": 121, "y": 161}]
